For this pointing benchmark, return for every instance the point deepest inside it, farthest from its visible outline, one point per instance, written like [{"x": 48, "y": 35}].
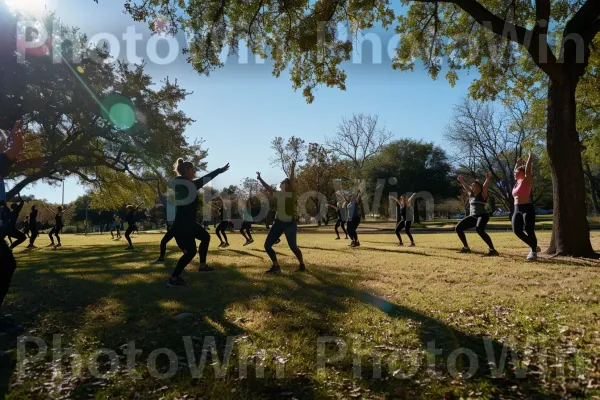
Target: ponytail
[{"x": 181, "y": 166}]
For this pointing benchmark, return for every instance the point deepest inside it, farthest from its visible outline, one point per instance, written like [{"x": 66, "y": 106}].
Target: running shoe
[
  {"x": 273, "y": 271},
  {"x": 129, "y": 248},
  {"x": 206, "y": 268},
  {"x": 221, "y": 245},
  {"x": 58, "y": 245},
  {"x": 159, "y": 261},
  {"x": 301, "y": 268},
  {"x": 251, "y": 241},
  {"x": 492, "y": 253},
  {"x": 465, "y": 250},
  {"x": 337, "y": 238},
  {"x": 31, "y": 247},
  {"x": 225, "y": 245},
  {"x": 51, "y": 245},
  {"x": 532, "y": 256},
  {"x": 400, "y": 244},
  {"x": 177, "y": 282},
  {"x": 356, "y": 244},
  {"x": 412, "y": 245}
]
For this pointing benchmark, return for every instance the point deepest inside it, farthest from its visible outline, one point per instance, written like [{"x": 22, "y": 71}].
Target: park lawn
[{"x": 382, "y": 302}]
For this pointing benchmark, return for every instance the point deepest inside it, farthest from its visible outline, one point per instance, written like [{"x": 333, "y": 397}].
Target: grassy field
[{"x": 421, "y": 322}]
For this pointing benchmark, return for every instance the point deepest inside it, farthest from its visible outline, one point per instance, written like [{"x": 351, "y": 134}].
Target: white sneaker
[{"x": 532, "y": 256}]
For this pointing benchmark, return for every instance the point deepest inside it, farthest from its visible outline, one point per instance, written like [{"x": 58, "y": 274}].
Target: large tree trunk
[{"x": 571, "y": 232}]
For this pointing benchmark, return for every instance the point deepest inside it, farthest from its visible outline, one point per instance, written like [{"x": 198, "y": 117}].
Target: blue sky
[{"x": 239, "y": 109}]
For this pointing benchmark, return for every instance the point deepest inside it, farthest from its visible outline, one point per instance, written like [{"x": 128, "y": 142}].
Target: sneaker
[
  {"x": 130, "y": 248},
  {"x": 206, "y": 268},
  {"x": 465, "y": 250},
  {"x": 400, "y": 244},
  {"x": 337, "y": 238},
  {"x": 351, "y": 244},
  {"x": 221, "y": 245},
  {"x": 532, "y": 256},
  {"x": 177, "y": 282},
  {"x": 225, "y": 245},
  {"x": 492, "y": 253},
  {"x": 356, "y": 244},
  {"x": 159, "y": 261},
  {"x": 346, "y": 238},
  {"x": 301, "y": 268},
  {"x": 273, "y": 271},
  {"x": 247, "y": 243},
  {"x": 51, "y": 245},
  {"x": 251, "y": 241},
  {"x": 412, "y": 245},
  {"x": 58, "y": 245}
]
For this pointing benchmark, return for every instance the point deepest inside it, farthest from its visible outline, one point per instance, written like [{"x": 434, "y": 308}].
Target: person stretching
[
  {"x": 13, "y": 232},
  {"x": 524, "y": 215},
  {"x": 33, "y": 227},
  {"x": 247, "y": 221},
  {"x": 339, "y": 222},
  {"x": 404, "y": 217},
  {"x": 223, "y": 222},
  {"x": 131, "y": 225},
  {"x": 478, "y": 216},
  {"x": 58, "y": 225},
  {"x": 285, "y": 220},
  {"x": 185, "y": 227}
]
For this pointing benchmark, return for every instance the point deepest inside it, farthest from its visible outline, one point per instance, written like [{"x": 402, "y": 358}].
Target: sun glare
[{"x": 27, "y": 6}]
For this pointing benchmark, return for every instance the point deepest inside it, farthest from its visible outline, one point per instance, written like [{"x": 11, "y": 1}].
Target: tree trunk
[
  {"x": 570, "y": 232},
  {"x": 590, "y": 177}
]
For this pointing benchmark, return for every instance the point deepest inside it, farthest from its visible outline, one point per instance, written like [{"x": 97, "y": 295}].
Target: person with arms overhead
[{"x": 523, "y": 220}]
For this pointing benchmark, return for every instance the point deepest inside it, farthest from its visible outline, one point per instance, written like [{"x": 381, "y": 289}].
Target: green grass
[{"x": 379, "y": 299}]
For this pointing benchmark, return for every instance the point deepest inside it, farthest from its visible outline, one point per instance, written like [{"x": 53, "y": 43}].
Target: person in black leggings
[
  {"x": 285, "y": 220},
  {"x": 13, "y": 232},
  {"x": 33, "y": 227},
  {"x": 247, "y": 219},
  {"x": 115, "y": 225},
  {"x": 131, "y": 225},
  {"x": 404, "y": 217},
  {"x": 523, "y": 220},
  {"x": 26, "y": 226},
  {"x": 185, "y": 227},
  {"x": 8, "y": 263},
  {"x": 169, "y": 235},
  {"x": 340, "y": 220},
  {"x": 223, "y": 222},
  {"x": 354, "y": 218},
  {"x": 478, "y": 217},
  {"x": 58, "y": 225}
]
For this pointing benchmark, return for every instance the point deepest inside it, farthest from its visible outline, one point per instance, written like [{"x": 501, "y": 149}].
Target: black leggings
[
  {"x": 352, "y": 227},
  {"x": 221, "y": 230},
  {"x": 34, "y": 235},
  {"x": 55, "y": 231},
  {"x": 479, "y": 222},
  {"x": 8, "y": 265},
  {"x": 406, "y": 226},
  {"x": 524, "y": 217},
  {"x": 343, "y": 225},
  {"x": 118, "y": 232},
  {"x": 186, "y": 240},
  {"x": 130, "y": 229},
  {"x": 245, "y": 230},
  {"x": 163, "y": 243},
  {"x": 290, "y": 229},
  {"x": 16, "y": 234}
]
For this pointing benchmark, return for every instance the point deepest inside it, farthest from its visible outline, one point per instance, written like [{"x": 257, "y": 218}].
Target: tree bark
[{"x": 571, "y": 232}]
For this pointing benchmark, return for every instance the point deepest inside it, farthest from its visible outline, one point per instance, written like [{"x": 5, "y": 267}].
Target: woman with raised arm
[
  {"x": 8, "y": 264},
  {"x": 223, "y": 221},
  {"x": 285, "y": 220},
  {"x": 354, "y": 218},
  {"x": 185, "y": 227},
  {"x": 478, "y": 216},
  {"x": 404, "y": 217},
  {"x": 58, "y": 225},
  {"x": 339, "y": 210},
  {"x": 524, "y": 215},
  {"x": 131, "y": 224},
  {"x": 247, "y": 219}
]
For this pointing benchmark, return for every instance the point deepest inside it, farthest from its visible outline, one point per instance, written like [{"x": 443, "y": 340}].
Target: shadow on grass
[{"x": 124, "y": 304}]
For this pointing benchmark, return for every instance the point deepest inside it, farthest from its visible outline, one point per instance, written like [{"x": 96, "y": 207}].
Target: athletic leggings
[
  {"x": 55, "y": 231},
  {"x": 16, "y": 234},
  {"x": 34, "y": 235},
  {"x": 290, "y": 229},
  {"x": 221, "y": 230},
  {"x": 130, "y": 229},
  {"x": 352, "y": 227},
  {"x": 118, "y": 232},
  {"x": 343, "y": 225},
  {"x": 8, "y": 265},
  {"x": 406, "y": 226},
  {"x": 524, "y": 217},
  {"x": 186, "y": 240},
  {"x": 163, "y": 243},
  {"x": 245, "y": 230},
  {"x": 479, "y": 222}
]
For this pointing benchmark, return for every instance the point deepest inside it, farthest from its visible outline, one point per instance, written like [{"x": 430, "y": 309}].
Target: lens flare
[{"x": 119, "y": 111}]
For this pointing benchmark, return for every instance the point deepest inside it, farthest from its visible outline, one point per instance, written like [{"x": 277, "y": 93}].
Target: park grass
[{"x": 383, "y": 302}]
